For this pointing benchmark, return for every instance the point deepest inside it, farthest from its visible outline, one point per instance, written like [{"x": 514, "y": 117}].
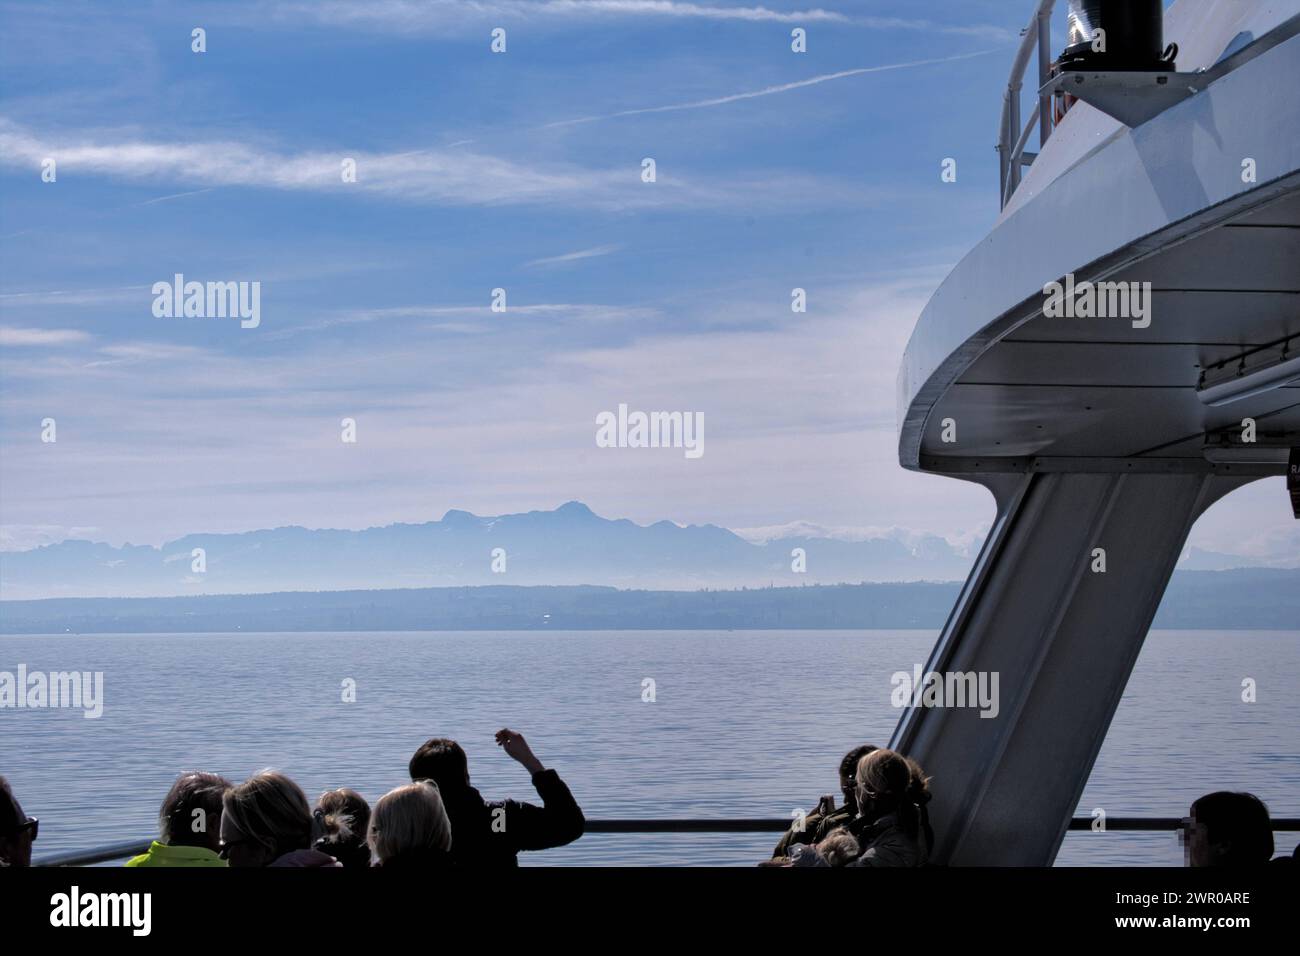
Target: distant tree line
[{"x": 1247, "y": 598}]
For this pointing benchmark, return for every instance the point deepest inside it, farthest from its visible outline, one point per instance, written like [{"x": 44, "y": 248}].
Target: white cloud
[
  {"x": 961, "y": 543},
  {"x": 437, "y": 176},
  {"x": 591, "y": 253},
  {"x": 24, "y": 537},
  {"x": 146, "y": 352},
  {"x": 13, "y": 336},
  {"x": 72, "y": 297},
  {"x": 422, "y": 16},
  {"x": 798, "y": 411}
]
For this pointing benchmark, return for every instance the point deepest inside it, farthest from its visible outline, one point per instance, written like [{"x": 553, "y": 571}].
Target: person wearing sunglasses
[
  {"x": 17, "y": 830},
  {"x": 827, "y": 817}
]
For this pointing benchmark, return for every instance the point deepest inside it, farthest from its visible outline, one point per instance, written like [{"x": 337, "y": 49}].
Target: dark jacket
[
  {"x": 352, "y": 853},
  {"x": 884, "y": 842},
  {"x": 423, "y": 859},
  {"x": 492, "y": 834},
  {"x": 815, "y": 829},
  {"x": 307, "y": 858}
]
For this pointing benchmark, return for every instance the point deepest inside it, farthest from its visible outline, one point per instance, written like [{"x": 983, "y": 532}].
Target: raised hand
[{"x": 515, "y": 745}]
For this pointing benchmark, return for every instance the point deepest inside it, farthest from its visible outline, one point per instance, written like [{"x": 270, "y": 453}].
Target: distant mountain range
[
  {"x": 568, "y": 546},
  {"x": 1222, "y": 600}
]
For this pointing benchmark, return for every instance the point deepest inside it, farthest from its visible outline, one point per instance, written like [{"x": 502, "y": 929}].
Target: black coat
[{"x": 492, "y": 834}]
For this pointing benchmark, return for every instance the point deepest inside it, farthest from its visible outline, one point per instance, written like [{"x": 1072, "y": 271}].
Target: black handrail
[{"x": 120, "y": 851}]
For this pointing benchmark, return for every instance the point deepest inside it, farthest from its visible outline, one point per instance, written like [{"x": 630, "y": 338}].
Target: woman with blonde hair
[
  {"x": 267, "y": 821},
  {"x": 409, "y": 828},
  {"x": 892, "y": 826}
]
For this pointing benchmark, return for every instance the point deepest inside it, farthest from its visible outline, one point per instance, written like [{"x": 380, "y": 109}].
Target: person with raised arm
[{"x": 491, "y": 834}]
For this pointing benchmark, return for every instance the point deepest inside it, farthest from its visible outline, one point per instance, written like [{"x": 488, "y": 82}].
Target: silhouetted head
[
  {"x": 341, "y": 820},
  {"x": 191, "y": 811},
  {"x": 410, "y": 824},
  {"x": 441, "y": 760},
  {"x": 264, "y": 818},
  {"x": 849, "y": 776},
  {"x": 17, "y": 832},
  {"x": 1227, "y": 829}
]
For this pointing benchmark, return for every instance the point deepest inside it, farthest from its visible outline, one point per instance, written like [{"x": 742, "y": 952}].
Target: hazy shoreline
[{"x": 1241, "y": 599}]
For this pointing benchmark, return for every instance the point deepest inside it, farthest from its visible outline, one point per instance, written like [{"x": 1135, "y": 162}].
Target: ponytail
[{"x": 918, "y": 796}]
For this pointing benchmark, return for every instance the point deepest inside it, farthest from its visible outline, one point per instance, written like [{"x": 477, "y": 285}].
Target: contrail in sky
[{"x": 767, "y": 91}]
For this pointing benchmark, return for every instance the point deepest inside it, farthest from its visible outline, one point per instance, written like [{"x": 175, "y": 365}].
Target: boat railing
[
  {"x": 1012, "y": 138},
  {"x": 122, "y": 851}
]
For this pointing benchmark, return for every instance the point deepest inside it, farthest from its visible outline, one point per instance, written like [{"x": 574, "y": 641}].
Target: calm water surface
[{"x": 745, "y": 724}]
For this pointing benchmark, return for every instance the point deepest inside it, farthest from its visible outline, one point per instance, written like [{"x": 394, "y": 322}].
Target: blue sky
[{"x": 472, "y": 174}]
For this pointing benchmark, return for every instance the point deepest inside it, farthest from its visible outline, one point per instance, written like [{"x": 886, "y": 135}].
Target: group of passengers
[
  {"x": 436, "y": 820},
  {"x": 440, "y": 820},
  {"x": 884, "y": 822}
]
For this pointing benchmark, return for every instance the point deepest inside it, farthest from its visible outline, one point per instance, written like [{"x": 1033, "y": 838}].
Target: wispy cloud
[
  {"x": 965, "y": 543},
  {"x": 24, "y": 537},
  {"x": 71, "y": 297},
  {"x": 433, "y": 14},
  {"x": 41, "y": 337},
  {"x": 410, "y": 16},
  {"x": 454, "y": 178},
  {"x": 147, "y": 352},
  {"x": 192, "y": 192},
  {"x": 766, "y": 91},
  {"x": 475, "y": 318},
  {"x": 591, "y": 253},
  {"x": 447, "y": 427},
  {"x": 435, "y": 176}
]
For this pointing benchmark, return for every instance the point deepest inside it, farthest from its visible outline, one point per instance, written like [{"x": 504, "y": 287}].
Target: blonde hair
[
  {"x": 409, "y": 818},
  {"x": 897, "y": 784},
  {"x": 272, "y": 810},
  {"x": 839, "y": 847}
]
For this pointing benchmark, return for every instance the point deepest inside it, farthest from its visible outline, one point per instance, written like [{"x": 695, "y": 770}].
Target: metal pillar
[{"x": 1063, "y": 640}]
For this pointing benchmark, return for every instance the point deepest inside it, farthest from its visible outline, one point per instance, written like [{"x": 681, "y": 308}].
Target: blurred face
[
  {"x": 864, "y": 798},
  {"x": 1197, "y": 848},
  {"x": 211, "y": 836},
  {"x": 239, "y": 850},
  {"x": 16, "y": 847},
  {"x": 191, "y": 829},
  {"x": 849, "y": 787}
]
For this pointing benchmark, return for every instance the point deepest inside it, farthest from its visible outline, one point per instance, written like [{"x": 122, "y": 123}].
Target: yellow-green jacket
[{"x": 160, "y": 854}]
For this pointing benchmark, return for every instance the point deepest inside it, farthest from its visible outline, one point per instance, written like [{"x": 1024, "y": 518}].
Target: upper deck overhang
[{"x": 1165, "y": 203}]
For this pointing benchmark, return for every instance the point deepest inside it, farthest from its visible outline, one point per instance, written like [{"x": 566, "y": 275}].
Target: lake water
[{"x": 744, "y": 724}]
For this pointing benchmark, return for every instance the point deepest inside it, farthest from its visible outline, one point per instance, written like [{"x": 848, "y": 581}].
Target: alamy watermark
[
  {"x": 74, "y": 908},
  {"x": 1098, "y": 300},
  {"x": 38, "y": 689},
  {"x": 651, "y": 430},
  {"x": 208, "y": 300},
  {"x": 949, "y": 689}
]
